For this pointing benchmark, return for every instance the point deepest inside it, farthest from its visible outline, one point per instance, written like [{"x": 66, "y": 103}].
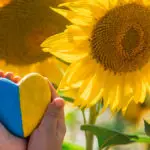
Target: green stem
[
  {"x": 91, "y": 121},
  {"x": 84, "y": 119}
]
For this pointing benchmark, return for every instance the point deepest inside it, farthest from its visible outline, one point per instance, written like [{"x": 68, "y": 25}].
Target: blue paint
[{"x": 10, "y": 112}]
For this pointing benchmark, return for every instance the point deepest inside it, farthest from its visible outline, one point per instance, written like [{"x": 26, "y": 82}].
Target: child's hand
[
  {"x": 7, "y": 140},
  {"x": 10, "y": 142},
  {"x": 49, "y": 134},
  {"x": 10, "y": 76},
  {"x": 51, "y": 131}
]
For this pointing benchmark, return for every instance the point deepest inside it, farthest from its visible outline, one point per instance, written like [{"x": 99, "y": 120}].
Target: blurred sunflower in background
[
  {"x": 24, "y": 25},
  {"x": 4, "y": 2},
  {"x": 137, "y": 112},
  {"x": 108, "y": 47}
]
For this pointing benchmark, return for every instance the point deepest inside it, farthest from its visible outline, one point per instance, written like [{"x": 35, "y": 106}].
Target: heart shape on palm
[{"x": 22, "y": 105}]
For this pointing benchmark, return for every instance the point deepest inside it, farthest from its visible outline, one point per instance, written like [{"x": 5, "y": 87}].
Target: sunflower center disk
[
  {"x": 130, "y": 40},
  {"x": 120, "y": 39}
]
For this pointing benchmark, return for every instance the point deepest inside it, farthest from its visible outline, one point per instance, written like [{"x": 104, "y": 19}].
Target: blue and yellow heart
[{"x": 22, "y": 105}]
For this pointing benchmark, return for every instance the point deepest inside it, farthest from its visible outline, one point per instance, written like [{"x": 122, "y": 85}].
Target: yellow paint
[{"x": 35, "y": 95}]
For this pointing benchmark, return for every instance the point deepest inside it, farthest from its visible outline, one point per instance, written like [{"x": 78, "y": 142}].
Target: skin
[{"x": 49, "y": 134}]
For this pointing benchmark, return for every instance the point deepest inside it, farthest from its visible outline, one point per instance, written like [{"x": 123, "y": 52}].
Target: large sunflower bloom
[
  {"x": 109, "y": 51},
  {"x": 24, "y": 25}
]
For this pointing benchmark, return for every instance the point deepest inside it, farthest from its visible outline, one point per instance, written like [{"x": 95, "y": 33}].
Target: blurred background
[{"x": 24, "y": 25}]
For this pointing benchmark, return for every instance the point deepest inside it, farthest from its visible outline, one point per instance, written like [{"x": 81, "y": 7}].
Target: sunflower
[
  {"x": 108, "y": 47},
  {"x": 24, "y": 25},
  {"x": 4, "y": 2}
]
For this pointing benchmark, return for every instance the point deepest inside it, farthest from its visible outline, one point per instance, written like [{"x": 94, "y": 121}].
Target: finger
[
  {"x": 9, "y": 141},
  {"x": 61, "y": 116},
  {"x": 61, "y": 119},
  {"x": 53, "y": 91},
  {"x": 9, "y": 75},
  {"x": 16, "y": 79},
  {"x": 61, "y": 130},
  {"x": 1, "y": 73},
  {"x": 53, "y": 113},
  {"x": 61, "y": 126}
]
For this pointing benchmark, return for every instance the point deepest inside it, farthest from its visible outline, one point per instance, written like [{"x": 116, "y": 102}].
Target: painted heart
[{"x": 22, "y": 105}]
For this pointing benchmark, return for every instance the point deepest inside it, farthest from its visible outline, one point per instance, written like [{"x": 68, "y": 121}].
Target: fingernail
[
  {"x": 9, "y": 75},
  {"x": 16, "y": 79},
  {"x": 59, "y": 102},
  {"x": 1, "y": 74}
]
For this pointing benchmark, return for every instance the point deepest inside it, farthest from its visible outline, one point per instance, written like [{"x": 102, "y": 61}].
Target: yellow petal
[
  {"x": 84, "y": 92},
  {"x": 91, "y": 90},
  {"x": 104, "y": 3},
  {"x": 76, "y": 31},
  {"x": 112, "y": 3},
  {"x": 51, "y": 68},
  {"x": 122, "y": 2},
  {"x": 140, "y": 92},
  {"x": 90, "y": 8},
  {"x": 78, "y": 7},
  {"x": 125, "y": 93},
  {"x": 139, "y": 88},
  {"x": 113, "y": 98},
  {"x": 98, "y": 11},
  {"x": 94, "y": 7},
  {"x": 98, "y": 88},
  {"x": 116, "y": 98},
  {"x": 62, "y": 38},
  {"x": 110, "y": 82},
  {"x": 65, "y": 49},
  {"x": 79, "y": 18},
  {"x": 146, "y": 2},
  {"x": 70, "y": 92},
  {"x": 146, "y": 72},
  {"x": 148, "y": 87},
  {"x": 77, "y": 72}
]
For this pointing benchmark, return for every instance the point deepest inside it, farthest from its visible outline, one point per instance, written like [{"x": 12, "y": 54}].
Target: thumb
[{"x": 54, "y": 110}]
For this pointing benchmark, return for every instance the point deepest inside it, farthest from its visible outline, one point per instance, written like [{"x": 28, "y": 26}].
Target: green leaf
[
  {"x": 63, "y": 61},
  {"x": 70, "y": 146},
  {"x": 147, "y": 128},
  {"x": 68, "y": 99},
  {"x": 142, "y": 139},
  {"x": 107, "y": 137}
]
